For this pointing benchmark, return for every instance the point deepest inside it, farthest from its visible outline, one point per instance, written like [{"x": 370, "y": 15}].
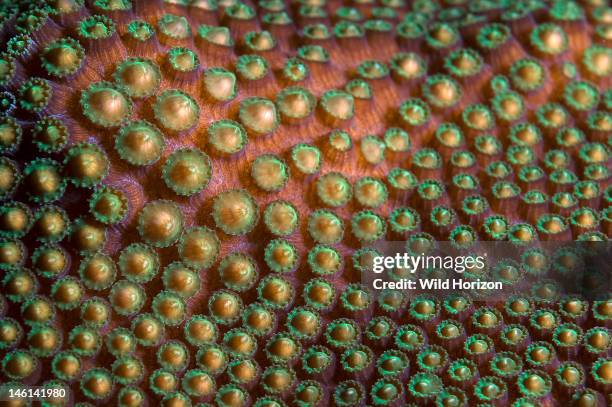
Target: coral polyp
[{"x": 192, "y": 191}]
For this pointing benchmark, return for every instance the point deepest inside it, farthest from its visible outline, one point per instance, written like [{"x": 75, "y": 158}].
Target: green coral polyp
[
  {"x": 348, "y": 29},
  {"x": 50, "y": 135},
  {"x": 19, "y": 364},
  {"x": 490, "y": 388},
  {"x": 430, "y": 190},
  {"x": 62, "y": 57},
  {"x": 97, "y": 272},
  {"x": 160, "y": 223},
  {"x": 138, "y": 77},
  {"x": 187, "y": 171},
  {"x": 37, "y": 310},
  {"x": 425, "y": 385},
  {"x": 295, "y": 103},
  {"x": 411, "y": 29},
  {"x": 493, "y": 36},
  {"x": 397, "y": 140},
  {"x": 356, "y": 359},
  {"x": 140, "y": 30},
  {"x": 600, "y": 121},
  {"x": 338, "y": 104},
  {"x": 370, "y": 192},
  {"x": 108, "y": 205},
  {"x": 527, "y": 75},
  {"x": 281, "y": 256},
  {"x": 442, "y": 216},
  {"x": 403, "y": 220},
  {"x": 270, "y": 173},
  {"x": 97, "y": 384},
  {"x": 549, "y": 39},
  {"x": 7, "y": 68},
  {"x": 354, "y": 298},
  {"x": 67, "y": 293},
  {"x": 408, "y": 65},
  {"x": 235, "y": 212},
  {"x": 441, "y": 91},
  {"x": 598, "y": 60},
  {"x": 534, "y": 383},
  {"x": 324, "y": 261},
  {"x": 44, "y": 180},
  {"x": 220, "y": 84},
  {"x": 183, "y": 60},
  {"x": 140, "y": 143},
  {"x": 552, "y": 115},
  {"x": 64, "y": 360},
  {"x": 252, "y": 67},
  {"x": 12, "y": 253},
  {"x": 95, "y": 312},
  {"x": 19, "y": 46},
  {"x": 181, "y": 280},
  {"x": 306, "y": 158},
  {"x": 219, "y": 36},
  {"x": 225, "y": 307},
  {"x": 441, "y": 35},
  {"x": 86, "y": 164},
  {"x": 127, "y": 298},
  {"x": 401, "y": 179},
  {"x": 415, "y": 112},
  {"x": 96, "y": 27},
  {"x": 105, "y": 104},
  {"x": 127, "y": 370},
  {"x": 600, "y": 371},
  {"x": 373, "y": 70},
  {"x": 342, "y": 333},
  {"x": 295, "y": 70},
  {"x": 174, "y": 27},
  {"x": 169, "y": 307},
  {"x": 238, "y": 272},
  {"x": 367, "y": 226},
  {"x": 282, "y": 348},
  {"x": 349, "y": 393},
  {"x": 259, "y": 115},
  {"x": 199, "y": 247},
  {"x": 84, "y": 340},
  {"x": 175, "y": 110},
  {"x": 35, "y": 94},
  {"x": 280, "y": 18},
  {"x": 259, "y": 41},
  {"x": 227, "y": 137},
  {"x": 325, "y": 227},
  {"x": 200, "y": 330},
  {"x": 463, "y": 63},
  {"x": 281, "y": 218},
  {"x": 304, "y": 323},
  {"x": 240, "y": 11},
  {"x": 10, "y": 176},
  {"x": 466, "y": 182},
  {"x": 12, "y": 333},
  {"x": 582, "y": 96}
]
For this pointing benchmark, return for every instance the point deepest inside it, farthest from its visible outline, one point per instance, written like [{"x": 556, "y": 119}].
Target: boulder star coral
[{"x": 189, "y": 190}]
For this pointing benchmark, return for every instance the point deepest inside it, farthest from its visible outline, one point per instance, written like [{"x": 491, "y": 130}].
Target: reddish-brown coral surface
[{"x": 190, "y": 191}]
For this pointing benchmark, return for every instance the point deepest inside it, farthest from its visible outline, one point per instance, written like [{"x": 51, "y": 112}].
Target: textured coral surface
[{"x": 190, "y": 190}]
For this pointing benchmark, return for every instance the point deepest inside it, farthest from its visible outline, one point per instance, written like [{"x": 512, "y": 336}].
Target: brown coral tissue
[{"x": 190, "y": 190}]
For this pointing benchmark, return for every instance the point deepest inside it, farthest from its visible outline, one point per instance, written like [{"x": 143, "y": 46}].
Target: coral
[{"x": 189, "y": 191}]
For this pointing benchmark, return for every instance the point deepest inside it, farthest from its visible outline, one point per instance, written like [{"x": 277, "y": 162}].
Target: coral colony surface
[{"x": 190, "y": 190}]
